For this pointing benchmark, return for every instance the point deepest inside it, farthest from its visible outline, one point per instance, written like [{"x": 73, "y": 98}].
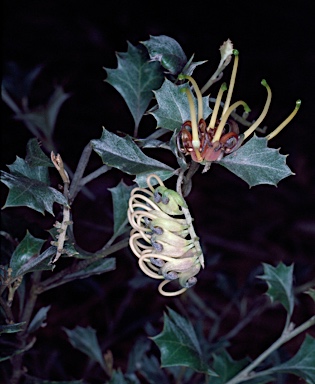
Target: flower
[
  {"x": 166, "y": 246},
  {"x": 221, "y": 137}
]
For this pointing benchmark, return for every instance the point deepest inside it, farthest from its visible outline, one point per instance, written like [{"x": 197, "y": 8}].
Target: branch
[
  {"x": 57, "y": 279},
  {"x": 244, "y": 375},
  {"x": 84, "y": 159}
]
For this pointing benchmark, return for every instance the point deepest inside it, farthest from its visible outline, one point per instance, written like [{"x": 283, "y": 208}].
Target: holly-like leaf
[
  {"x": 191, "y": 66},
  {"x": 41, "y": 262},
  {"x": 44, "y": 117},
  {"x": 39, "y": 319},
  {"x": 84, "y": 339},
  {"x": 12, "y": 328},
  {"x": 134, "y": 78},
  {"x": 29, "y": 187},
  {"x": 22, "y": 168},
  {"x": 226, "y": 367},
  {"x": 120, "y": 196},
  {"x": 302, "y": 364},
  {"x": 35, "y": 156},
  {"x": 29, "y": 247},
  {"x": 124, "y": 154},
  {"x": 173, "y": 105},
  {"x": 167, "y": 51},
  {"x": 280, "y": 284},
  {"x": 179, "y": 345},
  {"x": 257, "y": 164}
]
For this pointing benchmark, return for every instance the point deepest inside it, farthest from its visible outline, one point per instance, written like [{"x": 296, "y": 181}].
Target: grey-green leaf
[
  {"x": 39, "y": 319},
  {"x": 120, "y": 196},
  {"x": 35, "y": 156},
  {"x": 12, "y": 328},
  {"x": 28, "y": 248},
  {"x": 173, "y": 108},
  {"x": 41, "y": 262},
  {"x": 31, "y": 193},
  {"x": 179, "y": 345},
  {"x": 167, "y": 51},
  {"x": 84, "y": 339},
  {"x": 44, "y": 117},
  {"x": 134, "y": 78},
  {"x": 124, "y": 154},
  {"x": 302, "y": 364},
  {"x": 22, "y": 168},
  {"x": 191, "y": 66},
  {"x": 280, "y": 284},
  {"x": 226, "y": 367},
  {"x": 257, "y": 164}
]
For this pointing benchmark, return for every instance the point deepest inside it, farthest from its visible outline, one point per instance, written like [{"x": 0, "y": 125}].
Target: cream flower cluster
[{"x": 164, "y": 243}]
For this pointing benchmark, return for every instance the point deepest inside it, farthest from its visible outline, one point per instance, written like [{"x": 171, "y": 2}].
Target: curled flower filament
[{"x": 160, "y": 239}]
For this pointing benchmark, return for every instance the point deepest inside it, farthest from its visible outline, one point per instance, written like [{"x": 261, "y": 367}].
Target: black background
[{"x": 74, "y": 41}]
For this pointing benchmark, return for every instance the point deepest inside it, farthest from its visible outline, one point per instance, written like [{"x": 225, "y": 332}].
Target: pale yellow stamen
[
  {"x": 198, "y": 94},
  {"x": 252, "y": 128},
  {"x": 165, "y": 293},
  {"x": 216, "y": 107},
  {"x": 220, "y": 128},
  {"x": 232, "y": 82},
  {"x": 194, "y": 127},
  {"x": 285, "y": 122}
]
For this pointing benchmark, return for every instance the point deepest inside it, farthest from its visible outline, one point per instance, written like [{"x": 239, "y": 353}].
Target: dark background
[{"x": 239, "y": 228}]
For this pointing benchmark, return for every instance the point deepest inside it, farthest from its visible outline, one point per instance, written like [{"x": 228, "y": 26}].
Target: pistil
[
  {"x": 220, "y": 128},
  {"x": 216, "y": 107},
  {"x": 252, "y": 128},
  {"x": 232, "y": 82},
  {"x": 194, "y": 127},
  {"x": 285, "y": 122}
]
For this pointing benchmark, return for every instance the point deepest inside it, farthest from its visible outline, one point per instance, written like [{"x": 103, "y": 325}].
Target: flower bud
[
  {"x": 171, "y": 238},
  {"x": 179, "y": 265},
  {"x": 169, "y": 201},
  {"x": 187, "y": 278},
  {"x": 166, "y": 249},
  {"x": 170, "y": 225}
]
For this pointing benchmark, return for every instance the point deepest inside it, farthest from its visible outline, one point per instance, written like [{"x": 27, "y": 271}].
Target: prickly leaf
[
  {"x": 134, "y": 78},
  {"x": 124, "y": 154},
  {"x": 28, "y": 248},
  {"x": 257, "y": 164},
  {"x": 173, "y": 108},
  {"x": 280, "y": 284},
  {"x": 179, "y": 345},
  {"x": 167, "y": 51},
  {"x": 302, "y": 364}
]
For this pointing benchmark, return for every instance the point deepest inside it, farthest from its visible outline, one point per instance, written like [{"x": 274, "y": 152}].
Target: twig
[
  {"x": 57, "y": 279},
  {"x": 285, "y": 337},
  {"x": 93, "y": 175},
  {"x": 61, "y": 227},
  {"x": 84, "y": 159}
]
